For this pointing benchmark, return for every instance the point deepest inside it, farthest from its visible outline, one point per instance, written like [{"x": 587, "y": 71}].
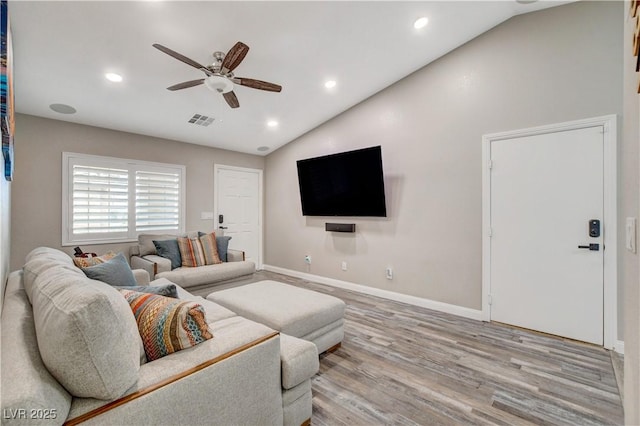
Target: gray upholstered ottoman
[{"x": 295, "y": 311}]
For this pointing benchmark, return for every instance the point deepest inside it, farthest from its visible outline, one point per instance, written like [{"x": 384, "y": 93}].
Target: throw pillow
[
  {"x": 115, "y": 272},
  {"x": 210, "y": 249},
  {"x": 85, "y": 262},
  {"x": 168, "y": 290},
  {"x": 191, "y": 251},
  {"x": 169, "y": 249},
  {"x": 223, "y": 246},
  {"x": 167, "y": 325}
]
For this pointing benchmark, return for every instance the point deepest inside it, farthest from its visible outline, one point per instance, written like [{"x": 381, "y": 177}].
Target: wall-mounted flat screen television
[{"x": 345, "y": 184}]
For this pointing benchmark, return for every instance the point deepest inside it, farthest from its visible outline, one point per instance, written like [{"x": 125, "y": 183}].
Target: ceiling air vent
[{"x": 201, "y": 120}]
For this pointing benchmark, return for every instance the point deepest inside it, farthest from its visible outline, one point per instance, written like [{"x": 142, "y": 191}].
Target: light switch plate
[
  {"x": 630, "y": 234},
  {"x": 206, "y": 215}
]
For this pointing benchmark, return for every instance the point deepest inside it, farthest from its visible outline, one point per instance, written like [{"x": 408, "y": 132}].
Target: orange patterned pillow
[
  {"x": 210, "y": 249},
  {"x": 167, "y": 325},
  {"x": 85, "y": 262}
]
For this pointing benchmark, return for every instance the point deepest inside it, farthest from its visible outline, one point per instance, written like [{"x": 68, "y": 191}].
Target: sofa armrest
[
  {"x": 235, "y": 255},
  {"x": 138, "y": 262},
  {"x": 142, "y": 276},
  {"x": 162, "y": 263}
]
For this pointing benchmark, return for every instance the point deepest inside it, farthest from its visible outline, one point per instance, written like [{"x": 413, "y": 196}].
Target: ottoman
[{"x": 306, "y": 314}]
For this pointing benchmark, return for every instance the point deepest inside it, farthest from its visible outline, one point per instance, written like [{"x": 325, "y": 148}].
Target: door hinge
[
  {"x": 490, "y": 232},
  {"x": 490, "y": 299},
  {"x": 490, "y": 164}
]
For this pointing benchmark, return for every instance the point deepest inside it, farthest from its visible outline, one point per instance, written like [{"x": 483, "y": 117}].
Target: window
[{"x": 107, "y": 200}]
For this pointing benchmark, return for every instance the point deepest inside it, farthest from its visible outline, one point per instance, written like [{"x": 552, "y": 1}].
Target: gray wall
[
  {"x": 551, "y": 66},
  {"x": 37, "y": 191},
  {"x": 5, "y": 232},
  {"x": 629, "y": 199}
]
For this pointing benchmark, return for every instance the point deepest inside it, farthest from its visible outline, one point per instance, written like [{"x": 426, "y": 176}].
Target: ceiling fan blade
[
  {"x": 186, "y": 84},
  {"x": 257, "y": 84},
  {"x": 233, "y": 58},
  {"x": 181, "y": 58},
  {"x": 231, "y": 99}
]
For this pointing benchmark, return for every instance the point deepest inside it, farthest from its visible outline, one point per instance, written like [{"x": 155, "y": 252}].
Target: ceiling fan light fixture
[{"x": 218, "y": 83}]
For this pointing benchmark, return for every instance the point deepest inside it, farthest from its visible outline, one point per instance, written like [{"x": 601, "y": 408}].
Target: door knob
[
  {"x": 592, "y": 247},
  {"x": 222, "y": 227}
]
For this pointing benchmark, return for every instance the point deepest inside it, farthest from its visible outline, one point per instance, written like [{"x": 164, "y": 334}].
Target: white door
[
  {"x": 545, "y": 189},
  {"x": 239, "y": 204}
]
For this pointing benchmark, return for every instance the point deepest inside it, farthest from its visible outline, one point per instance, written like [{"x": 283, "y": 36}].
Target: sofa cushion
[
  {"x": 208, "y": 274},
  {"x": 167, "y": 325},
  {"x": 116, "y": 272},
  {"x": 299, "y": 360},
  {"x": 87, "y": 336},
  {"x": 210, "y": 249},
  {"x": 26, "y": 382},
  {"x": 169, "y": 249}
]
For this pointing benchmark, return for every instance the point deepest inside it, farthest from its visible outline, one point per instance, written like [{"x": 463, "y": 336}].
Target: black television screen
[{"x": 346, "y": 184}]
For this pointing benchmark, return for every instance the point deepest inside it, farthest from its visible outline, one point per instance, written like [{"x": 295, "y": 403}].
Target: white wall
[
  {"x": 551, "y": 66},
  {"x": 37, "y": 189},
  {"x": 630, "y": 191}
]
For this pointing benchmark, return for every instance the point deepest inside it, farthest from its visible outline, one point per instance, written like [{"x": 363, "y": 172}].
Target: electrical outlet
[
  {"x": 307, "y": 260},
  {"x": 389, "y": 273},
  {"x": 344, "y": 266}
]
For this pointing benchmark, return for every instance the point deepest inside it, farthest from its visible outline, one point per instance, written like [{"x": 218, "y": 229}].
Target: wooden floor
[{"x": 401, "y": 364}]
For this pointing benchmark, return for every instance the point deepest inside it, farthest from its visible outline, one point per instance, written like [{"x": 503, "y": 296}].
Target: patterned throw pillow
[
  {"x": 191, "y": 251},
  {"x": 210, "y": 249},
  {"x": 167, "y": 325},
  {"x": 85, "y": 262}
]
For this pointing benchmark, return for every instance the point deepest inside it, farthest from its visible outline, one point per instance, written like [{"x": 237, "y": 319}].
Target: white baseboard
[
  {"x": 386, "y": 294},
  {"x": 618, "y": 346}
]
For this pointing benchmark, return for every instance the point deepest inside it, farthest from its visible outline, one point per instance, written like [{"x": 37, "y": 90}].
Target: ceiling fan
[{"x": 219, "y": 75}]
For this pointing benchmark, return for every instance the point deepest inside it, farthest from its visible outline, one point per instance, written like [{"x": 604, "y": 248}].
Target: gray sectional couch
[
  {"x": 71, "y": 352},
  {"x": 144, "y": 256}
]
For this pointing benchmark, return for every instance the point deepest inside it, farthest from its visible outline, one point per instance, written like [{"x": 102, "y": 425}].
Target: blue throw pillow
[
  {"x": 169, "y": 249},
  {"x": 223, "y": 245},
  {"x": 167, "y": 290},
  {"x": 115, "y": 272}
]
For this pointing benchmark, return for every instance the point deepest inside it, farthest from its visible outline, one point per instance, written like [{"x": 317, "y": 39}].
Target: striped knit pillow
[
  {"x": 210, "y": 249},
  {"x": 167, "y": 325},
  {"x": 191, "y": 251}
]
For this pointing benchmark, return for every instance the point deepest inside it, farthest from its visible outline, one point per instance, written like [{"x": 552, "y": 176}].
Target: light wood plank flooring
[{"x": 401, "y": 364}]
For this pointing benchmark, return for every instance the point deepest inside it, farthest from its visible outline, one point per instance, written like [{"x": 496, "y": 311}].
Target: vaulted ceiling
[{"x": 62, "y": 51}]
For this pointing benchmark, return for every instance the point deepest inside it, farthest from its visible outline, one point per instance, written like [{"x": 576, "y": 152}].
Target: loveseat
[
  {"x": 144, "y": 255},
  {"x": 72, "y": 352}
]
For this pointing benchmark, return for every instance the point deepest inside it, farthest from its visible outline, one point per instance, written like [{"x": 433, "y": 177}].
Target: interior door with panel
[
  {"x": 546, "y": 268},
  {"x": 238, "y": 209}
]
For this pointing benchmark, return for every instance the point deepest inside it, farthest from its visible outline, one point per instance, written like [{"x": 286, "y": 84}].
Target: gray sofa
[
  {"x": 71, "y": 352},
  {"x": 144, "y": 256}
]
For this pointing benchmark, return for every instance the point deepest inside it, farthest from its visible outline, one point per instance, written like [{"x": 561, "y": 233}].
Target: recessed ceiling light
[
  {"x": 272, "y": 123},
  {"x": 421, "y": 23},
  {"x": 111, "y": 76},
  {"x": 330, "y": 84},
  {"x": 62, "y": 108},
  {"x": 263, "y": 148}
]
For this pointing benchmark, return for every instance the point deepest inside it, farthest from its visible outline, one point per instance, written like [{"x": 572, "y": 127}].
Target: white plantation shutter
[
  {"x": 157, "y": 201},
  {"x": 100, "y": 200},
  {"x": 108, "y": 200}
]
